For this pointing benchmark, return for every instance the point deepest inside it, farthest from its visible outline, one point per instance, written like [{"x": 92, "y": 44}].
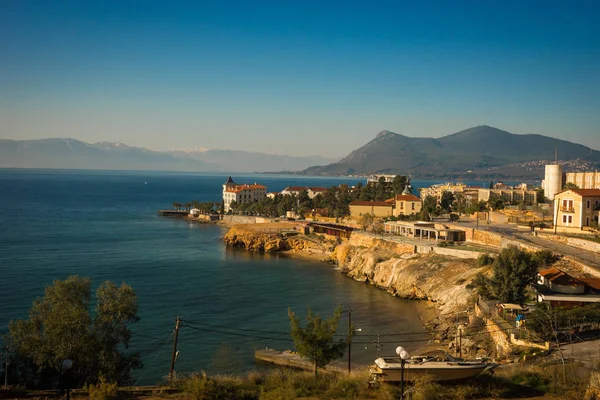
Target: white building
[
  {"x": 375, "y": 178},
  {"x": 242, "y": 193},
  {"x": 312, "y": 191}
]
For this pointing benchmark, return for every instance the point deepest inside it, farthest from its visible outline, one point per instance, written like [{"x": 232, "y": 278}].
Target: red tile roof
[
  {"x": 583, "y": 192},
  {"x": 370, "y": 203},
  {"x": 587, "y": 192},
  {"x": 240, "y": 188},
  {"x": 559, "y": 277},
  {"x": 407, "y": 197},
  {"x": 594, "y": 283}
]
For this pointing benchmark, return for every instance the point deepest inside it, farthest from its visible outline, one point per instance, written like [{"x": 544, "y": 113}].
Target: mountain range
[
  {"x": 474, "y": 153},
  {"x": 75, "y": 154},
  {"x": 481, "y": 152}
]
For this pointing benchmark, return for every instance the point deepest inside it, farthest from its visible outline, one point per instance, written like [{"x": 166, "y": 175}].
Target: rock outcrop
[
  {"x": 255, "y": 240},
  {"x": 389, "y": 265},
  {"x": 436, "y": 278}
]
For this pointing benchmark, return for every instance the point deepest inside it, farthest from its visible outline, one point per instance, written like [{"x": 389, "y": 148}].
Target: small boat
[{"x": 436, "y": 365}]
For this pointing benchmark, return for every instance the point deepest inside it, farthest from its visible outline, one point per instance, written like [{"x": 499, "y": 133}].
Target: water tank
[{"x": 553, "y": 180}]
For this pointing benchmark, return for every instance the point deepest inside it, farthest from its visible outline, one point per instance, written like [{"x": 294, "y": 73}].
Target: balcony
[{"x": 567, "y": 209}]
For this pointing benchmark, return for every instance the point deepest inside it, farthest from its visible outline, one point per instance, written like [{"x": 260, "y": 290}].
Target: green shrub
[
  {"x": 484, "y": 259},
  {"x": 103, "y": 390}
]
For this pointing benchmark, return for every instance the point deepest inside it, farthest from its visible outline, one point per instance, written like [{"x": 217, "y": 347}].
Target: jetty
[
  {"x": 292, "y": 359},
  {"x": 172, "y": 213}
]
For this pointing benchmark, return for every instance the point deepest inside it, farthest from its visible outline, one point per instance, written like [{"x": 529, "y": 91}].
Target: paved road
[{"x": 589, "y": 258}]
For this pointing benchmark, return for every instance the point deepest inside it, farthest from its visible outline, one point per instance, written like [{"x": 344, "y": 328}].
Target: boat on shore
[{"x": 436, "y": 365}]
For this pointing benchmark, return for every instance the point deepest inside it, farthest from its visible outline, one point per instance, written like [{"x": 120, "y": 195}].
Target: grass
[{"x": 509, "y": 382}]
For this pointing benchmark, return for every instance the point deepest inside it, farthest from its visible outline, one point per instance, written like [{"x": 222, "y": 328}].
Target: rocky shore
[{"x": 396, "y": 268}]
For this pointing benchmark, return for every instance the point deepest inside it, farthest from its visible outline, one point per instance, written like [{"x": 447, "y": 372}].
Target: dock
[
  {"x": 291, "y": 359},
  {"x": 172, "y": 213}
]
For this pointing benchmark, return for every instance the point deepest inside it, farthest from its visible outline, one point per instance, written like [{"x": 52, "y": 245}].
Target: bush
[
  {"x": 103, "y": 390},
  {"x": 484, "y": 259}
]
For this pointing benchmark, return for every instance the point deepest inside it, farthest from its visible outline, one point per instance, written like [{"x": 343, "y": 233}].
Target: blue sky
[{"x": 306, "y": 77}]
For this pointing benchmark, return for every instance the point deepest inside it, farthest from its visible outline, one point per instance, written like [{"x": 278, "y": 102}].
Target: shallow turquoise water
[{"x": 103, "y": 225}]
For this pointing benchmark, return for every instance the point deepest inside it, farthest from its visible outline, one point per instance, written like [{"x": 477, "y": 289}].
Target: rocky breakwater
[
  {"x": 438, "y": 278},
  {"x": 271, "y": 239}
]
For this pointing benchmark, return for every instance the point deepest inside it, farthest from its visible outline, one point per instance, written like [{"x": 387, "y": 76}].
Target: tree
[
  {"x": 60, "y": 326},
  {"x": 177, "y": 205},
  {"x": 514, "y": 270},
  {"x": 570, "y": 185},
  {"x": 496, "y": 203},
  {"x": 429, "y": 207},
  {"x": 446, "y": 201},
  {"x": 316, "y": 341}
]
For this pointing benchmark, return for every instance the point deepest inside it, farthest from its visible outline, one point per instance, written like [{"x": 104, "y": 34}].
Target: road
[{"x": 589, "y": 258}]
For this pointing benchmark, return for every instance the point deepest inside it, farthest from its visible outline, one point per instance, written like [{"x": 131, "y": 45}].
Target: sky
[{"x": 296, "y": 77}]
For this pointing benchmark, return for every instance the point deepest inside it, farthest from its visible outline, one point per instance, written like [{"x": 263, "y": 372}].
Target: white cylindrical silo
[{"x": 553, "y": 180}]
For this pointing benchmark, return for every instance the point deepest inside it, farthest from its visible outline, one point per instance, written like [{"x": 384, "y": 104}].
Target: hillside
[
  {"x": 75, "y": 154},
  {"x": 479, "y": 152}
]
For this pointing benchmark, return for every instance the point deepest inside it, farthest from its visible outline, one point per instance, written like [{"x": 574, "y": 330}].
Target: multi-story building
[
  {"x": 584, "y": 180},
  {"x": 245, "y": 193},
  {"x": 470, "y": 193},
  {"x": 407, "y": 204},
  {"x": 555, "y": 179},
  {"x": 312, "y": 191},
  {"x": 576, "y": 207},
  {"x": 509, "y": 195}
]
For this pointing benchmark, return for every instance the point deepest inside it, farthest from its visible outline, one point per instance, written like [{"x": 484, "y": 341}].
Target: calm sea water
[{"x": 104, "y": 225}]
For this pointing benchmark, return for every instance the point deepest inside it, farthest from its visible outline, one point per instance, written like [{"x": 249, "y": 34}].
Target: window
[
  {"x": 564, "y": 219},
  {"x": 570, "y": 217},
  {"x": 413, "y": 205},
  {"x": 588, "y": 204},
  {"x": 401, "y": 205}
]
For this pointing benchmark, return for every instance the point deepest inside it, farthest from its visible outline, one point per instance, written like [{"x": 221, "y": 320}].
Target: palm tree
[
  {"x": 177, "y": 205},
  {"x": 188, "y": 206}
]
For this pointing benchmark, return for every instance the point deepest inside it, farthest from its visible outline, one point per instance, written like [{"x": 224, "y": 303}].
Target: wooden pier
[
  {"x": 172, "y": 213},
  {"x": 294, "y": 360}
]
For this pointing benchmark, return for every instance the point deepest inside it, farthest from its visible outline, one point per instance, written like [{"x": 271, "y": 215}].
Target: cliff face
[
  {"x": 255, "y": 240},
  {"x": 389, "y": 265},
  {"x": 412, "y": 276}
]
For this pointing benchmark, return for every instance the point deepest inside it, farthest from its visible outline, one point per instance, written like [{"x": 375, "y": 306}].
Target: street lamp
[
  {"x": 66, "y": 368},
  {"x": 403, "y": 354}
]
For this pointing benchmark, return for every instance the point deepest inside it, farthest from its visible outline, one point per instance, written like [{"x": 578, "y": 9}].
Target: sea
[{"x": 104, "y": 225}]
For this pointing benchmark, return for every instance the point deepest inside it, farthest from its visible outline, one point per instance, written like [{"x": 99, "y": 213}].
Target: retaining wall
[{"x": 572, "y": 241}]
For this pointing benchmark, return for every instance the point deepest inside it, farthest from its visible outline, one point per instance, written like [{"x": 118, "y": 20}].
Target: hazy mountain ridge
[
  {"x": 475, "y": 152},
  {"x": 74, "y": 154}
]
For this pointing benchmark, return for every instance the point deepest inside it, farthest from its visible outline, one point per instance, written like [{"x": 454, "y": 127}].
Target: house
[
  {"x": 312, "y": 191},
  {"x": 407, "y": 204},
  {"x": 563, "y": 290},
  {"x": 245, "y": 193},
  {"x": 576, "y": 207},
  {"x": 376, "y": 208}
]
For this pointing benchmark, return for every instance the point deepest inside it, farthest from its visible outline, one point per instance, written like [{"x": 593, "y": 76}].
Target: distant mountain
[
  {"x": 240, "y": 161},
  {"x": 479, "y": 152},
  {"x": 75, "y": 154}
]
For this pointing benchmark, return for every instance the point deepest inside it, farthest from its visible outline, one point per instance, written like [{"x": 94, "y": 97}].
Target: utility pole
[
  {"x": 378, "y": 345},
  {"x": 460, "y": 343},
  {"x": 174, "y": 349},
  {"x": 6, "y": 362},
  {"x": 350, "y": 340}
]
